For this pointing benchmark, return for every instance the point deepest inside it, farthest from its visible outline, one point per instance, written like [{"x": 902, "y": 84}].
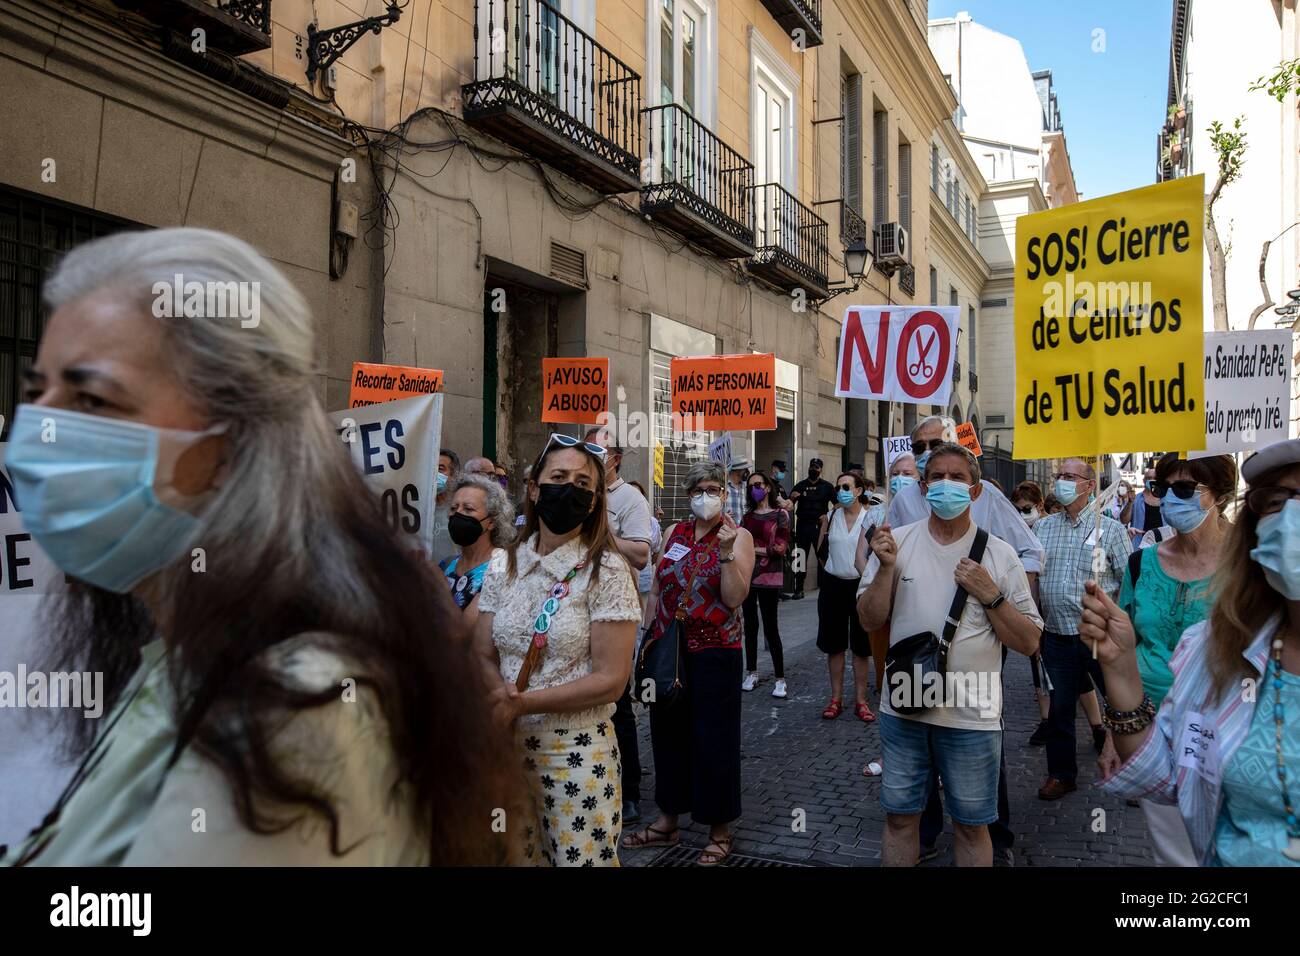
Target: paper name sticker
[
  {"x": 677, "y": 552},
  {"x": 1198, "y": 748}
]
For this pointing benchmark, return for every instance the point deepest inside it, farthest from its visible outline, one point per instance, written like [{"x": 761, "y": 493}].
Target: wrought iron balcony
[
  {"x": 543, "y": 85},
  {"x": 852, "y": 225},
  {"x": 791, "y": 242},
  {"x": 231, "y": 26},
  {"x": 956, "y": 372},
  {"x": 974, "y": 381},
  {"x": 698, "y": 186},
  {"x": 805, "y": 15},
  {"x": 907, "y": 278}
]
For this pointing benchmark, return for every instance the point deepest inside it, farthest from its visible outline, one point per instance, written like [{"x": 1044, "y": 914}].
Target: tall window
[
  {"x": 905, "y": 189},
  {"x": 934, "y": 286},
  {"x": 681, "y": 59},
  {"x": 880, "y": 166},
  {"x": 970, "y": 324},
  {"x": 934, "y": 168},
  {"x": 851, "y": 140}
]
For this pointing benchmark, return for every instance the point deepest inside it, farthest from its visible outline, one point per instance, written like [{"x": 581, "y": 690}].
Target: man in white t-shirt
[
  {"x": 909, "y": 582},
  {"x": 633, "y": 529}
]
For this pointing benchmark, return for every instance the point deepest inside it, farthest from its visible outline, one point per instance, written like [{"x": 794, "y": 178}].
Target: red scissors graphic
[{"x": 921, "y": 366}]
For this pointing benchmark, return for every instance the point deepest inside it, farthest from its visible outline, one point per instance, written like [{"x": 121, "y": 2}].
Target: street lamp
[{"x": 857, "y": 263}]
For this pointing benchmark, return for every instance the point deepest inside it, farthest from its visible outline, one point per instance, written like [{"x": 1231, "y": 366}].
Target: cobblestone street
[{"x": 793, "y": 759}]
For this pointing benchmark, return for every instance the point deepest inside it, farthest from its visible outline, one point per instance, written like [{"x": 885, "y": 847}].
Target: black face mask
[
  {"x": 563, "y": 507},
  {"x": 464, "y": 530},
  {"x": 814, "y": 474}
]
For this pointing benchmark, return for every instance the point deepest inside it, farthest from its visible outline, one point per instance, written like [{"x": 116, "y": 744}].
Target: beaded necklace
[{"x": 1292, "y": 851}]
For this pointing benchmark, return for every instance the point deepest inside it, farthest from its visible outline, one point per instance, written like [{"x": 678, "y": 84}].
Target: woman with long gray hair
[
  {"x": 264, "y": 635},
  {"x": 481, "y": 522}
]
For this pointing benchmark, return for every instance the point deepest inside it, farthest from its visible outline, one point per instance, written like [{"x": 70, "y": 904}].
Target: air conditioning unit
[{"x": 891, "y": 246}]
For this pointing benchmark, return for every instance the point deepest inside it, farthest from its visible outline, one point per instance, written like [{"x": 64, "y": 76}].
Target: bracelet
[{"x": 1126, "y": 722}]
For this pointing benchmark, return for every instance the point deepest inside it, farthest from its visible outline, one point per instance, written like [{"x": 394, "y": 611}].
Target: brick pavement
[{"x": 792, "y": 759}]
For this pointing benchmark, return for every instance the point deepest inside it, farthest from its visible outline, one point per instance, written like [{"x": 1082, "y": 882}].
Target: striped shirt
[
  {"x": 1068, "y": 563},
  {"x": 1157, "y": 773}
]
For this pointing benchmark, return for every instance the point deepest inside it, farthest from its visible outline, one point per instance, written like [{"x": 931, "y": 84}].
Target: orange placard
[
  {"x": 373, "y": 384},
  {"x": 967, "y": 438},
  {"x": 575, "y": 390},
  {"x": 724, "y": 392}
]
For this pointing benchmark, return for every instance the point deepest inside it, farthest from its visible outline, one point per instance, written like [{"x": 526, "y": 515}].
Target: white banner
[
  {"x": 720, "y": 449},
  {"x": 898, "y": 353},
  {"x": 395, "y": 447},
  {"x": 24, "y": 568},
  {"x": 1247, "y": 390},
  {"x": 895, "y": 447}
]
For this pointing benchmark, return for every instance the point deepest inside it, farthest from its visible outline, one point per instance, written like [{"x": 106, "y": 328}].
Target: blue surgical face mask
[
  {"x": 1066, "y": 491},
  {"x": 1278, "y": 552},
  {"x": 899, "y": 482},
  {"x": 89, "y": 490},
  {"x": 845, "y": 498},
  {"x": 920, "y": 462},
  {"x": 1183, "y": 515},
  {"x": 778, "y": 476},
  {"x": 948, "y": 499},
  {"x": 442, "y": 482}
]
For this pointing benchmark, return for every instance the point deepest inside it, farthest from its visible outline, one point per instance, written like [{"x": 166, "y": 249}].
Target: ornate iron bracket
[{"x": 326, "y": 46}]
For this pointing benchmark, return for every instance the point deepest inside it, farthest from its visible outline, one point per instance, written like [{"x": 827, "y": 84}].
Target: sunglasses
[
  {"x": 919, "y": 447},
  {"x": 1025, "y": 510},
  {"x": 847, "y": 487},
  {"x": 1270, "y": 499},
  {"x": 568, "y": 441},
  {"x": 1182, "y": 489}
]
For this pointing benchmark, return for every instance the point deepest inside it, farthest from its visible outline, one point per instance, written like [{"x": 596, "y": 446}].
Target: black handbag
[
  {"x": 660, "y": 660},
  {"x": 923, "y": 654}
]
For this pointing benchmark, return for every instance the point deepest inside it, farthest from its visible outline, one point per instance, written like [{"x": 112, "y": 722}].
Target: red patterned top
[{"x": 709, "y": 622}]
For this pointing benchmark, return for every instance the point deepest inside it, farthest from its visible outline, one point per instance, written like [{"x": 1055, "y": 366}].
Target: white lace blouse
[{"x": 515, "y": 604}]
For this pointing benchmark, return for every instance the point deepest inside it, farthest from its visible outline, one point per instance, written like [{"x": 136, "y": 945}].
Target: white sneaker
[
  {"x": 750, "y": 681},
  {"x": 779, "y": 689}
]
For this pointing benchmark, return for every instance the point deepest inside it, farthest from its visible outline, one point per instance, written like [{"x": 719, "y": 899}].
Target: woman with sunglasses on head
[
  {"x": 556, "y": 629},
  {"x": 700, "y": 585},
  {"x": 1166, "y": 590},
  {"x": 1224, "y": 746},
  {"x": 769, "y": 527},
  {"x": 843, "y": 532}
]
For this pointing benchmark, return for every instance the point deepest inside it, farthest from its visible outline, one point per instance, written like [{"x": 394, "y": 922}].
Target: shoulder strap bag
[
  {"x": 924, "y": 654},
  {"x": 661, "y": 661}
]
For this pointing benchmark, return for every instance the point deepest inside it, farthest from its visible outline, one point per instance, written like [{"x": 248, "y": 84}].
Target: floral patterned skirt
[{"x": 574, "y": 775}]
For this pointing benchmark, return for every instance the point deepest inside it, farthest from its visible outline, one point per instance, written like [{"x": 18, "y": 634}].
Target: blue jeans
[
  {"x": 968, "y": 761},
  {"x": 1067, "y": 660}
]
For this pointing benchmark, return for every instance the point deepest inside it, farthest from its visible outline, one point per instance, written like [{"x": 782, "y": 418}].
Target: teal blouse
[
  {"x": 1161, "y": 608},
  {"x": 1251, "y": 829}
]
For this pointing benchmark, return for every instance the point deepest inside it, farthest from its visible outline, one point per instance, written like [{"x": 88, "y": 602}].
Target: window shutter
[
  {"x": 905, "y": 189},
  {"x": 851, "y": 141},
  {"x": 880, "y": 158}
]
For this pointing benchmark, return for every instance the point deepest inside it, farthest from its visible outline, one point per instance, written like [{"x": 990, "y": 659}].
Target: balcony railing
[
  {"x": 852, "y": 225},
  {"x": 956, "y": 372},
  {"x": 907, "y": 278},
  {"x": 805, "y": 15},
  {"x": 698, "y": 185},
  {"x": 791, "y": 242},
  {"x": 544, "y": 86},
  {"x": 231, "y": 26},
  {"x": 974, "y": 381}
]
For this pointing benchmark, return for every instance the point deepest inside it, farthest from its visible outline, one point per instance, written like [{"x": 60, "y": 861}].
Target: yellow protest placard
[
  {"x": 1108, "y": 324},
  {"x": 659, "y": 465}
]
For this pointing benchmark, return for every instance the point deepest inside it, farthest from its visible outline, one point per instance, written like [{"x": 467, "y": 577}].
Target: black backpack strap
[
  {"x": 1135, "y": 566},
  {"x": 959, "y": 599},
  {"x": 1159, "y": 537}
]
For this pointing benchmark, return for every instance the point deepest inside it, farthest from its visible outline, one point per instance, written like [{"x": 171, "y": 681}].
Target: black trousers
[
  {"x": 805, "y": 538},
  {"x": 696, "y": 740},
  {"x": 1068, "y": 661},
  {"x": 625, "y": 732},
  {"x": 764, "y": 601}
]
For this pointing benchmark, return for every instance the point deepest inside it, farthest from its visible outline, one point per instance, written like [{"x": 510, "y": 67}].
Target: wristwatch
[
  {"x": 997, "y": 601},
  {"x": 724, "y": 558}
]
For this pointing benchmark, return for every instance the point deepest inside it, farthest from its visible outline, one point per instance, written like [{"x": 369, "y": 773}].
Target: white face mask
[
  {"x": 1032, "y": 518},
  {"x": 705, "y": 507}
]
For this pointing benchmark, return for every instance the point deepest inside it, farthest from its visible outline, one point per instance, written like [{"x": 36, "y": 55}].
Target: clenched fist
[{"x": 884, "y": 547}]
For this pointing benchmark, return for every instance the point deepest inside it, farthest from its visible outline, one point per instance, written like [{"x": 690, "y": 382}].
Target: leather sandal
[
  {"x": 714, "y": 857},
  {"x": 863, "y": 710},
  {"x": 639, "y": 839},
  {"x": 832, "y": 709}
]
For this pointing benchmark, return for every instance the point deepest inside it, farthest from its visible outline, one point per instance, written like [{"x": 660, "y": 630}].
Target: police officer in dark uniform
[{"x": 812, "y": 498}]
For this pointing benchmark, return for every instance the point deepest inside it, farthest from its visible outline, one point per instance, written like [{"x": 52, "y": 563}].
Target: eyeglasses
[
  {"x": 1270, "y": 499},
  {"x": 919, "y": 446},
  {"x": 568, "y": 441},
  {"x": 1067, "y": 476},
  {"x": 1182, "y": 489},
  {"x": 1026, "y": 509},
  {"x": 708, "y": 492}
]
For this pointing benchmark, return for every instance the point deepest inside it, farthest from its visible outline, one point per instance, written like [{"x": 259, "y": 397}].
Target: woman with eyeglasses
[
  {"x": 481, "y": 522},
  {"x": 769, "y": 527},
  {"x": 556, "y": 630},
  {"x": 702, "y": 581},
  {"x": 1224, "y": 746},
  {"x": 1167, "y": 589},
  {"x": 838, "y": 629}
]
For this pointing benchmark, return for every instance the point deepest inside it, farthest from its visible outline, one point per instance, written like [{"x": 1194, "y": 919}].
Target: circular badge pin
[
  {"x": 462, "y": 582},
  {"x": 542, "y": 623},
  {"x": 551, "y": 606}
]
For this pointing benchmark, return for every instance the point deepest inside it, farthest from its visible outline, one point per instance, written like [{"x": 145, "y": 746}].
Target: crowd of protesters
[{"x": 328, "y": 697}]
